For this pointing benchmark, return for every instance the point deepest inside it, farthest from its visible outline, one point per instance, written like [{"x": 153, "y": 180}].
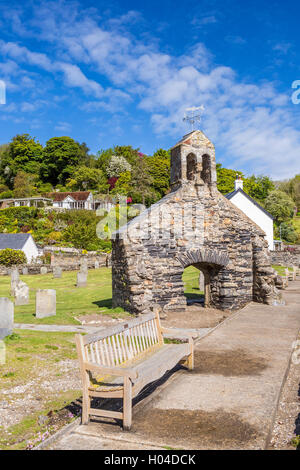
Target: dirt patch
[
  {"x": 195, "y": 316},
  {"x": 198, "y": 427},
  {"x": 235, "y": 362}
]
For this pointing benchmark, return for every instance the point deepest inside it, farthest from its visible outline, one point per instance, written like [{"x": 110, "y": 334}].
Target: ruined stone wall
[
  {"x": 285, "y": 258},
  {"x": 220, "y": 240}
]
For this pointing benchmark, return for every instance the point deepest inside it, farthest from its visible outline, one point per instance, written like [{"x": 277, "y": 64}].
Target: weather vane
[{"x": 193, "y": 115}]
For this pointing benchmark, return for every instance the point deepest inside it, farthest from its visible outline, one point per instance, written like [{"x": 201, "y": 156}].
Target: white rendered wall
[
  {"x": 257, "y": 215},
  {"x": 30, "y": 250}
]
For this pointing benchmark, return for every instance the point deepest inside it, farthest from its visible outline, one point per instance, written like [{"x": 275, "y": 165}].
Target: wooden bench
[{"x": 120, "y": 361}]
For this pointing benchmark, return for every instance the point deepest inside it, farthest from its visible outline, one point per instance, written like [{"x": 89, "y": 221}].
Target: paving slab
[{"x": 230, "y": 399}]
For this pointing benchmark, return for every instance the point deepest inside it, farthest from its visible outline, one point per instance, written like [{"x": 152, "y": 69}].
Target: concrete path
[
  {"x": 227, "y": 402},
  {"x": 199, "y": 332}
]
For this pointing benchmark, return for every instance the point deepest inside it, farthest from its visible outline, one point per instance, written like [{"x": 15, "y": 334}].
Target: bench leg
[
  {"x": 127, "y": 404},
  {"x": 85, "y": 408},
  {"x": 190, "y": 361}
]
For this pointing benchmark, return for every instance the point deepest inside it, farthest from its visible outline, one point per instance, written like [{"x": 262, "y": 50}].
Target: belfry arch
[{"x": 191, "y": 167}]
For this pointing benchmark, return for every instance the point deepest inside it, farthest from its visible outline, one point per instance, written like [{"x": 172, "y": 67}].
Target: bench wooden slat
[{"x": 118, "y": 328}]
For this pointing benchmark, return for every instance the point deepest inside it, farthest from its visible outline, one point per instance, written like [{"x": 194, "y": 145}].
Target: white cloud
[{"x": 252, "y": 124}]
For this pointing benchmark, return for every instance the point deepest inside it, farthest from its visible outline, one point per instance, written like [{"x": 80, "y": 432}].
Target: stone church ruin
[{"x": 192, "y": 225}]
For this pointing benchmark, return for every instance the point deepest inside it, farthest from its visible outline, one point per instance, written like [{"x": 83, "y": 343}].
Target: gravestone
[
  {"x": 97, "y": 264},
  {"x": 57, "y": 272},
  {"x": 43, "y": 270},
  {"x": 21, "y": 293},
  {"x": 81, "y": 279},
  {"x": 45, "y": 303},
  {"x": 6, "y": 317},
  {"x": 25, "y": 271},
  {"x": 294, "y": 273},
  {"x": 14, "y": 279},
  {"x": 84, "y": 266}
]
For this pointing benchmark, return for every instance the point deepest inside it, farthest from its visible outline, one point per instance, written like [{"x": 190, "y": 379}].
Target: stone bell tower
[{"x": 193, "y": 161}]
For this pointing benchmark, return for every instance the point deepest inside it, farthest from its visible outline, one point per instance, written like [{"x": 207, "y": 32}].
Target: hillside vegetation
[{"x": 29, "y": 169}]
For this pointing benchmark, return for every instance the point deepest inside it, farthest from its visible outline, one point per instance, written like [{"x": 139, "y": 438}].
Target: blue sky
[{"x": 123, "y": 73}]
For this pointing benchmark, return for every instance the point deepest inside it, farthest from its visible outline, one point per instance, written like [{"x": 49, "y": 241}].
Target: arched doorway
[
  {"x": 194, "y": 285},
  {"x": 208, "y": 262}
]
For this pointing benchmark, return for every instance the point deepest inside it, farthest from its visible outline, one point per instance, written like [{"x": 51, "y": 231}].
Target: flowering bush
[
  {"x": 116, "y": 166},
  {"x": 9, "y": 257}
]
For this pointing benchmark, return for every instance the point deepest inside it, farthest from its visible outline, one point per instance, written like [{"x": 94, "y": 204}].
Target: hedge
[{"x": 9, "y": 257}]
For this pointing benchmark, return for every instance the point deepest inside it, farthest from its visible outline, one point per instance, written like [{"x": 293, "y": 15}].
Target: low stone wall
[
  {"x": 72, "y": 259},
  {"x": 285, "y": 258},
  {"x": 68, "y": 262}
]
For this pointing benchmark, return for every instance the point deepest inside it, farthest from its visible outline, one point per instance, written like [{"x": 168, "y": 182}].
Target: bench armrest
[
  {"x": 177, "y": 333},
  {"x": 118, "y": 371}
]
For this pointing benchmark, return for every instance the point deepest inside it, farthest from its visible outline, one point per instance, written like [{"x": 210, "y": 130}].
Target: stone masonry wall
[{"x": 193, "y": 225}]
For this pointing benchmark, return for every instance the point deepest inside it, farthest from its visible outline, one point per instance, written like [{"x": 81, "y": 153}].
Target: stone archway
[{"x": 207, "y": 261}]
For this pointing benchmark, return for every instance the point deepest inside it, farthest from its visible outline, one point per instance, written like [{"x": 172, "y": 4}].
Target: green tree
[
  {"x": 24, "y": 185},
  {"x": 84, "y": 178},
  {"x": 24, "y": 153},
  {"x": 292, "y": 188},
  {"x": 288, "y": 233},
  {"x": 260, "y": 187},
  {"x": 159, "y": 170},
  {"x": 226, "y": 179},
  {"x": 280, "y": 205},
  {"x": 60, "y": 156}
]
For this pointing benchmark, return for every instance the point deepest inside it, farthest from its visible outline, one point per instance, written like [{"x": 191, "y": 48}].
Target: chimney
[{"x": 238, "y": 184}]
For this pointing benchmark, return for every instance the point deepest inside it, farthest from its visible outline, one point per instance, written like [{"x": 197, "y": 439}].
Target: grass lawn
[
  {"x": 71, "y": 301},
  {"x": 281, "y": 269},
  {"x": 33, "y": 358},
  {"x": 190, "y": 278}
]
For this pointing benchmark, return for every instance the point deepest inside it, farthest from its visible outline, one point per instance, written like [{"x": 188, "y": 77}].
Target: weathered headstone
[
  {"x": 84, "y": 266},
  {"x": 43, "y": 270},
  {"x": 97, "y": 265},
  {"x": 21, "y": 293},
  {"x": 81, "y": 279},
  {"x": 14, "y": 279},
  {"x": 6, "y": 317},
  {"x": 57, "y": 272},
  {"x": 294, "y": 273},
  {"x": 45, "y": 303},
  {"x": 25, "y": 271}
]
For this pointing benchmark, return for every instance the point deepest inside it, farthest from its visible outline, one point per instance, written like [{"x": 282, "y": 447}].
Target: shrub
[{"x": 9, "y": 257}]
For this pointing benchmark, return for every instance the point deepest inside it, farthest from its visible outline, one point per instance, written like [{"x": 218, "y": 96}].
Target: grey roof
[
  {"x": 230, "y": 195},
  {"x": 15, "y": 241}
]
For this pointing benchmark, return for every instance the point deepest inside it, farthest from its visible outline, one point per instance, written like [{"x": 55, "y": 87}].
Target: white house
[
  {"x": 20, "y": 241},
  {"x": 253, "y": 210},
  {"x": 73, "y": 200},
  {"x": 37, "y": 201}
]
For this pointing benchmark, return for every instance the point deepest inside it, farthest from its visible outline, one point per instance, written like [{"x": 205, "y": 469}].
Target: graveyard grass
[
  {"x": 73, "y": 302},
  {"x": 31, "y": 355}
]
